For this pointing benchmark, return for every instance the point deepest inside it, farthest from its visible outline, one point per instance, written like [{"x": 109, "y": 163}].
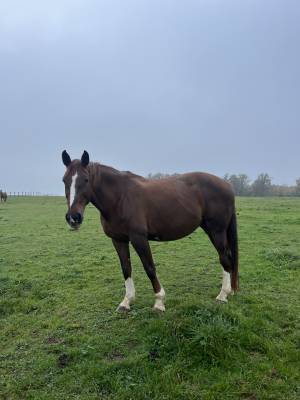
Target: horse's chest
[{"x": 114, "y": 229}]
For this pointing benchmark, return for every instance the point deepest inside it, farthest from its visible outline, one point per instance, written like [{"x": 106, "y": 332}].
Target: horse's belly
[
  {"x": 169, "y": 236},
  {"x": 175, "y": 226}
]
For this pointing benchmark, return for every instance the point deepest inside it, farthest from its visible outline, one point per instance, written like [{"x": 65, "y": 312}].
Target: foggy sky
[{"x": 148, "y": 86}]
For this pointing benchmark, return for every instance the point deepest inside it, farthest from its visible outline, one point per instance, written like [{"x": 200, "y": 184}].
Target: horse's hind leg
[
  {"x": 219, "y": 240},
  {"x": 141, "y": 246},
  {"x": 122, "y": 249}
]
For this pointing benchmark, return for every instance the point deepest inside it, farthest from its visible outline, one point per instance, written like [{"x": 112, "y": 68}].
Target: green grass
[{"x": 60, "y": 337}]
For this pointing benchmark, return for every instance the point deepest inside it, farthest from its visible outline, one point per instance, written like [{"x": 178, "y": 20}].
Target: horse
[
  {"x": 3, "y": 196},
  {"x": 137, "y": 210}
]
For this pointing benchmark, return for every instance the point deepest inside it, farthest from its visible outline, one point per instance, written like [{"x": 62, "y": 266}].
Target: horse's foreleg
[
  {"x": 122, "y": 249},
  {"x": 141, "y": 246}
]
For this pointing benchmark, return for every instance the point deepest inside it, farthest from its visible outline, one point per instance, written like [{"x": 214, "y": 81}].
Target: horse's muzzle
[{"x": 74, "y": 220}]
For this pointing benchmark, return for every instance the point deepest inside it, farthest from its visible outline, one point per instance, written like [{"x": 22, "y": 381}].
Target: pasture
[{"x": 60, "y": 337}]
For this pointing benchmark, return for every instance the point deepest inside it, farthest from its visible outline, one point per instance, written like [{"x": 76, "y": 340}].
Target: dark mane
[{"x": 96, "y": 168}]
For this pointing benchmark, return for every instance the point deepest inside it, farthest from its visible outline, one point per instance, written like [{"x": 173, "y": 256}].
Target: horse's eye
[{"x": 86, "y": 180}]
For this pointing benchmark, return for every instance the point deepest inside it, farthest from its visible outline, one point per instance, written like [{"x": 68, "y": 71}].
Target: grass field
[{"x": 60, "y": 337}]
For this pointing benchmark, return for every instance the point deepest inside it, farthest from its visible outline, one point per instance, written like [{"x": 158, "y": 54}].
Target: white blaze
[{"x": 72, "y": 189}]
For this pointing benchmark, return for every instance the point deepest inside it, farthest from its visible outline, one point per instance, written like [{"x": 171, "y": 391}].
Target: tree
[
  {"x": 282, "y": 190},
  {"x": 262, "y": 185},
  {"x": 159, "y": 175},
  {"x": 297, "y": 188},
  {"x": 240, "y": 183}
]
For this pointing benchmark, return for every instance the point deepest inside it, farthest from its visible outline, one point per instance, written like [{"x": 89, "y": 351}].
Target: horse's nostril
[
  {"x": 77, "y": 218},
  {"x": 67, "y": 217}
]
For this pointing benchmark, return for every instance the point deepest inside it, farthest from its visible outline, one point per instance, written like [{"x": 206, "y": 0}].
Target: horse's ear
[
  {"x": 66, "y": 158},
  {"x": 85, "y": 159}
]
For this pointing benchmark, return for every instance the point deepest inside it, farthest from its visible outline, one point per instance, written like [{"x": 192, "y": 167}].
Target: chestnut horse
[{"x": 134, "y": 209}]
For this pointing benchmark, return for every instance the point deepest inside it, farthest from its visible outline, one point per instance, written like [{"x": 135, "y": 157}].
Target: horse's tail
[{"x": 232, "y": 238}]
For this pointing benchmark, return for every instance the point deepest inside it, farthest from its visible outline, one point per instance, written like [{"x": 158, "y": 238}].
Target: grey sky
[{"x": 171, "y": 86}]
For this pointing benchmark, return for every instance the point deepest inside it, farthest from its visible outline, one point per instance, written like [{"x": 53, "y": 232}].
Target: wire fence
[{"x": 29, "y": 194}]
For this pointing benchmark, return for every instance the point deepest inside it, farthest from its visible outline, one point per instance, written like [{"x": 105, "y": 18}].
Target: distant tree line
[
  {"x": 159, "y": 175},
  {"x": 242, "y": 185},
  {"x": 261, "y": 186}
]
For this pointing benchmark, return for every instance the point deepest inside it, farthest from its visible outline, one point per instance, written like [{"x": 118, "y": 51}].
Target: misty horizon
[{"x": 150, "y": 175}]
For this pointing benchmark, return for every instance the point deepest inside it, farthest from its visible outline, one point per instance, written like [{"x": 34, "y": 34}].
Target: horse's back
[
  {"x": 174, "y": 207},
  {"x": 201, "y": 186}
]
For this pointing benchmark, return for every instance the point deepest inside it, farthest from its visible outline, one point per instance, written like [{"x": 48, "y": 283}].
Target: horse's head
[{"x": 77, "y": 188}]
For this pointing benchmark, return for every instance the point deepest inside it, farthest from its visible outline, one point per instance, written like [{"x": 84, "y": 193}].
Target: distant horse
[
  {"x": 134, "y": 209},
  {"x": 3, "y": 196}
]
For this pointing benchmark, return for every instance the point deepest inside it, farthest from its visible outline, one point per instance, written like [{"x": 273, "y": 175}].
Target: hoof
[
  {"x": 122, "y": 309},
  {"x": 160, "y": 308},
  {"x": 221, "y": 299}
]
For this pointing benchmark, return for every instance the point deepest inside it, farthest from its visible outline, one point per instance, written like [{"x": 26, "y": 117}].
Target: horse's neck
[{"x": 106, "y": 186}]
